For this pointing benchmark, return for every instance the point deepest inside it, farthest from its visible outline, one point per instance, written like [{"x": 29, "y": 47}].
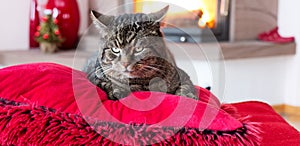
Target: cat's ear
[
  {"x": 159, "y": 15},
  {"x": 100, "y": 20}
]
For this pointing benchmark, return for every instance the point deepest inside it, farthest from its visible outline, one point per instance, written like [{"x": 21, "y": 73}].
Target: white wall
[
  {"x": 289, "y": 24},
  {"x": 275, "y": 80},
  {"x": 105, "y": 6},
  {"x": 84, "y": 15},
  {"x": 14, "y": 25},
  {"x": 263, "y": 79}
]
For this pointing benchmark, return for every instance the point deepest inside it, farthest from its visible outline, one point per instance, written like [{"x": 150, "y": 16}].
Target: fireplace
[{"x": 189, "y": 21}]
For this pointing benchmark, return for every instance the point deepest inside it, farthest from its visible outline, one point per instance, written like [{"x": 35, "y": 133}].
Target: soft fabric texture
[
  {"x": 276, "y": 131},
  {"x": 47, "y": 103}
]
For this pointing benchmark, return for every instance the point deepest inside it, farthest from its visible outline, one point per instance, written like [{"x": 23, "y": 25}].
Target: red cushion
[
  {"x": 276, "y": 131},
  {"x": 56, "y": 86},
  {"x": 67, "y": 90}
]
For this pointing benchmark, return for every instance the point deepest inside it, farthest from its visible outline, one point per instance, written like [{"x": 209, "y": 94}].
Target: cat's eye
[
  {"x": 115, "y": 50},
  {"x": 139, "y": 49}
]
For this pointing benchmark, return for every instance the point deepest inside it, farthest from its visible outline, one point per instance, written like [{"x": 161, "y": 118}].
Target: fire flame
[{"x": 206, "y": 7}]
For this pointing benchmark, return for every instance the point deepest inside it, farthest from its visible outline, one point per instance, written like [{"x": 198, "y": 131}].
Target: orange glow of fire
[{"x": 207, "y": 7}]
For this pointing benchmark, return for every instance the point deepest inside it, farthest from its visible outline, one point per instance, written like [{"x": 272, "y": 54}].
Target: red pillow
[{"x": 69, "y": 91}]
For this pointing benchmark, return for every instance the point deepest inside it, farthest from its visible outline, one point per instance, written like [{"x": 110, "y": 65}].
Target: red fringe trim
[
  {"x": 230, "y": 110},
  {"x": 22, "y": 124}
]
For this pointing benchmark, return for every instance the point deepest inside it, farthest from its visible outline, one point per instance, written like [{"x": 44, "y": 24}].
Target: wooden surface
[
  {"x": 292, "y": 113},
  {"x": 254, "y": 49},
  {"x": 251, "y": 17},
  {"x": 279, "y": 108},
  {"x": 71, "y": 58}
]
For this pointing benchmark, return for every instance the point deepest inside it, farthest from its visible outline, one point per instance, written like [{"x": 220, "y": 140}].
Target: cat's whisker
[
  {"x": 105, "y": 68},
  {"x": 109, "y": 73},
  {"x": 157, "y": 65},
  {"x": 103, "y": 72},
  {"x": 151, "y": 67}
]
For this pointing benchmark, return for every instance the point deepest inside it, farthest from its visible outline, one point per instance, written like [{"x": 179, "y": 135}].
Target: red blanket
[{"x": 68, "y": 109}]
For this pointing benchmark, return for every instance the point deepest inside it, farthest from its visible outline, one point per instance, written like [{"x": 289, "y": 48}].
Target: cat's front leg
[
  {"x": 187, "y": 91},
  {"x": 186, "y": 87},
  {"x": 114, "y": 92},
  {"x": 119, "y": 93},
  {"x": 105, "y": 86}
]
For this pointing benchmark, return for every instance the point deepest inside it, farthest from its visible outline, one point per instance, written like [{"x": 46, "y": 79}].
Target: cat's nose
[{"x": 125, "y": 64}]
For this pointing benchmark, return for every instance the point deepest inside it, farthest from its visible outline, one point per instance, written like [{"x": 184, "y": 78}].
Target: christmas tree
[{"x": 48, "y": 31}]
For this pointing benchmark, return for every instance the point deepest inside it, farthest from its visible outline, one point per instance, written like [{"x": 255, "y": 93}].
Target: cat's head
[
  {"x": 129, "y": 40},
  {"x": 109, "y": 25}
]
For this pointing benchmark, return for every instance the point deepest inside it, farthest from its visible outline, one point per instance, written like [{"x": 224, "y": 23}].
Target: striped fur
[{"x": 133, "y": 57}]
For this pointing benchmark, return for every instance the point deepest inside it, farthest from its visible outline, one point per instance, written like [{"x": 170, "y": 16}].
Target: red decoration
[
  {"x": 274, "y": 36},
  {"x": 46, "y": 36},
  {"x": 37, "y": 34},
  {"x": 55, "y": 21},
  {"x": 57, "y": 32},
  {"x": 68, "y": 20},
  {"x": 44, "y": 19},
  {"x": 38, "y": 28},
  {"x": 33, "y": 23}
]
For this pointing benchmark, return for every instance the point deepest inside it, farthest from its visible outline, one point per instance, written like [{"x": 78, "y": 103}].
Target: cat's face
[
  {"x": 131, "y": 44},
  {"x": 134, "y": 60}
]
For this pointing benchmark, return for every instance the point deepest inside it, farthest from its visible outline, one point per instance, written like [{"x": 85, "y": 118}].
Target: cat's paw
[
  {"x": 186, "y": 94},
  {"x": 193, "y": 96}
]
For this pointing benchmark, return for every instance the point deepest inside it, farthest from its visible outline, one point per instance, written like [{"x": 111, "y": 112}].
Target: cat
[{"x": 133, "y": 57}]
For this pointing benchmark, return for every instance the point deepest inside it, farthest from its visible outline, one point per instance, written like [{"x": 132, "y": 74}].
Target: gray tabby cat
[{"x": 133, "y": 57}]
